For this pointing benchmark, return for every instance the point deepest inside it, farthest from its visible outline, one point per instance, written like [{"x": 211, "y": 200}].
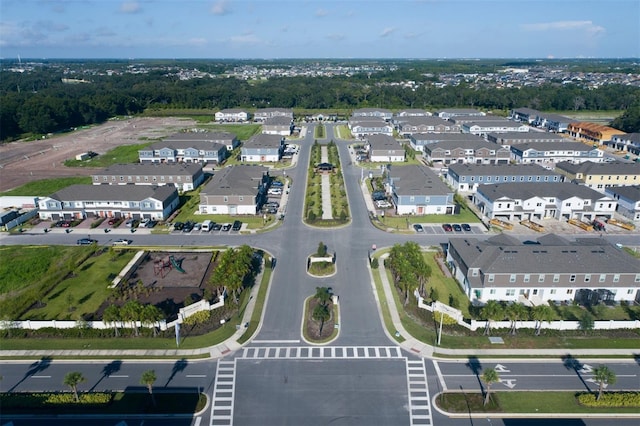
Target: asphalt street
[{"x": 275, "y": 379}]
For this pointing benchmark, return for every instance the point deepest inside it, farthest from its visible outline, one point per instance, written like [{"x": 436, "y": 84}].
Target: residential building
[
  {"x": 233, "y": 115},
  {"x": 556, "y": 270},
  {"x": 185, "y": 177},
  {"x": 464, "y": 119},
  {"x": 235, "y": 190},
  {"x": 469, "y": 151},
  {"x": 629, "y": 142},
  {"x": 279, "y": 125},
  {"x": 361, "y": 128},
  {"x": 519, "y": 138},
  {"x": 467, "y": 177},
  {"x": 419, "y": 140},
  {"x": 110, "y": 201},
  {"x": 187, "y": 152},
  {"x": 416, "y": 190},
  {"x": 384, "y": 148},
  {"x": 413, "y": 112},
  {"x": 628, "y": 198},
  {"x": 482, "y": 128},
  {"x": 425, "y": 124},
  {"x": 525, "y": 115},
  {"x": 600, "y": 176},
  {"x": 227, "y": 139},
  {"x": 592, "y": 133},
  {"x": 263, "y": 114},
  {"x": 458, "y": 112},
  {"x": 263, "y": 148},
  {"x": 553, "y": 122},
  {"x": 554, "y": 152},
  {"x": 381, "y": 113},
  {"x": 542, "y": 200}
]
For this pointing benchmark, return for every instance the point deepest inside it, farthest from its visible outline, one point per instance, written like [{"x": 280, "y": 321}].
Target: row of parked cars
[
  {"x": 447, "y": 227},
  {"x": 207, "y": 226}
]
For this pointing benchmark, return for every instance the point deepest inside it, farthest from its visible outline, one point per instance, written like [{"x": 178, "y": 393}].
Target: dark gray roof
[
  {"x": 263, "y": 140},
  {"x": 591, "y": 168},
  {"x": 631, "y": 193},
  {"x": 500, "y": 169},
  {"x": 526, "y": 190},
  {"x": 200, "y": 145},
  {"x": 556, "y": 118},
  {"x": 380, "y": 141},
  {"x": 465, "y": 144},
  {"x": 442, "y": 137},
  {"x": 148, "y": 169},
  {"x": 460, "y": 111},
  {"x": 528, "y": 111},
  {"x": 494, "y": 257},
  {"x": 278, "y": 120},
  {"x": 219, "y": 137},
  {"x": 553, "y": 146},
  {"x": 633, "y": 137},
  {"x": 417, "y": 180},
  {"x": 236, "y": 180},
  {"x": 371, "y": 110},
  {"x": 114, "y": 193},
  {"x": 523, "y": 136},
  {"x": 494, "y": 123},
  {"x": 426, "y": 120}
]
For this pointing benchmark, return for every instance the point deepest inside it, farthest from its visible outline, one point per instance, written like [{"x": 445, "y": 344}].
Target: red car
[{"x": 447, "y": 227}]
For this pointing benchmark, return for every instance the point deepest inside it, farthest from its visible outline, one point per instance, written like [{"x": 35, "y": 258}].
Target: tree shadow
[
  {"x": 178, "y": 366},
  {"x": 475, "y": 366},
  {"x": 109, "y": 369},
  {"x": 571, "y": 363},
  {"x": 38, "y": 366}
]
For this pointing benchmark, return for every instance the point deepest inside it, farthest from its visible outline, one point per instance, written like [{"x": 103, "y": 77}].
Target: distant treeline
[{"x": 38, "y": 102}]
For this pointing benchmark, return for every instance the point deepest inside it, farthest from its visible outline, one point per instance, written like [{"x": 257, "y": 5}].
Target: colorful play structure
[{"x": 164, "y": 265}]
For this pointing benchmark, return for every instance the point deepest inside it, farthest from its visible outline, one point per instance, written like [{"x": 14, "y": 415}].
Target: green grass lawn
[
  {"x": 342, "y": 132},
  {"x": 46, "y": 187},
  {"x": 123, "y": 154}
]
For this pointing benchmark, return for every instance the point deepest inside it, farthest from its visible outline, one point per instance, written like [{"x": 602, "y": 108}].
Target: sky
[{"x": 279, "y": 29}]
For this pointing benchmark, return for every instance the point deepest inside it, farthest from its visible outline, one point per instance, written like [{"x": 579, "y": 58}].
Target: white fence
[{"x": 550, "y": 325}]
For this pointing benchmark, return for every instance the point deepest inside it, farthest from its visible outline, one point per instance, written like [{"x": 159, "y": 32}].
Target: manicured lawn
[
  {"x": 521, "y": 402},
  {"x": 343, "y": 132},
  {"x": 242, "y": 131},
  {"x": 121, "y": 154},
  {"x": 446, "y": 286},
  {"x": 47, "y": 187},
  {"x": 261, "y": 299},
  {"x": 319, "y": 132}
]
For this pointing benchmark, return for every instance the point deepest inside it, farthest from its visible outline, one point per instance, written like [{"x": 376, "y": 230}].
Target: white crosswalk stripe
[
  {"x": 325, "y": 352},
  {"x": 223, "y": 394},
  {"x": 419, "y": 404}
]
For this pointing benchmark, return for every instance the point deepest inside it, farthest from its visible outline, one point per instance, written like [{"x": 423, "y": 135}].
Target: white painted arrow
[
  {"x": 592, "y": 380},
  {"x": 586, "y": 369},
  {"x": 510, "y": 383},
  {"x": 502, "y": 369}
]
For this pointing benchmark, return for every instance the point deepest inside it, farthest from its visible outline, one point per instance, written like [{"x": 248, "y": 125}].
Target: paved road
[{"x": 362, "y": 378}]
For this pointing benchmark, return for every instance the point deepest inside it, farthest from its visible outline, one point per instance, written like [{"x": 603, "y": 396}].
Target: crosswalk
[
  {"x": 328, "y": 352},
  {"x": 224, "y": 384}
]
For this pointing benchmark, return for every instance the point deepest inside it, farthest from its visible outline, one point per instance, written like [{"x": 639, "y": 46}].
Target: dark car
[
  {"x": 85, "y": 241},
  {"x": 378, "y": 195},
  {"x": 418, "y": 227},
  {"x": 457, "y": 227},
  {"x": 236, "y": 225},
  {"x": 178, "y": 226},
  {"x": 151, "y": 224},
  {"x": 216, "y": 227},
  {"x": 466, "y": 227},
  {"x": 277, "y": 184},
  {"x": 447, "y": 227},
  {"x": 188, "y": 227},
  {"x": 226, "y": 227}
]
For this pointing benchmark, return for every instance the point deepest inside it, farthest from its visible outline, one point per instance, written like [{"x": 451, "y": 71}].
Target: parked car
[
  {"x": 447, "y": 227},
  {"x": 277, "y": 183},
  {"x": 85, "y": 241},
  {"x": 274, "y": 191},
  {"x": 457, "y": 227},
  {"x": 178, "y": 226},
  {"x": 378, "y": 195},
  {"x": 236, "y": 225},
  {"x": 216, "y": 226},
  {"x": 418, "y": 227},
  {"x": 188, "y": 226},
  {"x": 131, "y": 223},
  {"x": 466, "y": 227},
  {"x": 151, "y": 224},
  {"x": 382, "y": 204},
  {"x": 226, "y": 227},
  {"x": 122, "y": 242},
  {"x": 197, "y": 226}
]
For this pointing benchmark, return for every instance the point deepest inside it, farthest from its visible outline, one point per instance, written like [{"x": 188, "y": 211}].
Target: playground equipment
[
  {"x": 177, "y": 264},
  {"x": 162, "y": 266}
]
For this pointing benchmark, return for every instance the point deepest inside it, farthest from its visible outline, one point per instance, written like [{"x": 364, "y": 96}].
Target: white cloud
[
  {"x": 387, "y": 31},
  {"x": 220, "y": 8},
  {"x": 321, "y": 12},
  {"x": 130, "y": 7},
  {"x": 586, "y": 26},
  {"x": 51, "y": 26}
]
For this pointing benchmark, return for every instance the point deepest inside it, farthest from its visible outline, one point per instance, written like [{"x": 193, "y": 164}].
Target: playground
[{"x": 167, "y": 279}]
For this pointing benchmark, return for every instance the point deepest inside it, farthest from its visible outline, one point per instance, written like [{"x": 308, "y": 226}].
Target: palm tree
[
  {"x": 541, "y": 313},
  {"x": 73, "y": 379},
  {"x": 149, "y": 378},
  {"x": 515, "y": 312},
  {"x": 131, "y": 312},
  {"x": 488, "y": 377},
  {"x": 322, "y": 295},
  {"x": 321, "y": 313},
  {"x": 604, "y": 376},
  {"x": 492, "y": 311},
  {"x": 112, "y": 315},
  {"x": 150, "y": 315}
]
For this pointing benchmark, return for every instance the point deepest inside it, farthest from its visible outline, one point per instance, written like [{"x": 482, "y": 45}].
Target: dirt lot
[{"x": 23, "y": 162}]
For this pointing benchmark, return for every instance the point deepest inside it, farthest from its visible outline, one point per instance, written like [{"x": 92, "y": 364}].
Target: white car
[
  {"x": 382, "y": 204},
  {"x": 121, "y": 242},
  {"x": 274, "y": 191}
]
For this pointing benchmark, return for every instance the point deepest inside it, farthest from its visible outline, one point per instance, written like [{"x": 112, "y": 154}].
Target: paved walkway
[{"x": 327, "y": 211}]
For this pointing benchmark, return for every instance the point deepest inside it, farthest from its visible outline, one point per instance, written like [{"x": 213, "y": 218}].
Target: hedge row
[
  {"x": 45, "y": 400},
  {"x": 611, "y": 399}
]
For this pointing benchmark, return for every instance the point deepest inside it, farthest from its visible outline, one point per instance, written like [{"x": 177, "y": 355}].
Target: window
[
  {"x": 512, "y": 278},
  {"x": 527, "y": 277},
  {"x": 226, "y": 199},
  {"x": 603, "y": 277},
  {"x": 511, "y": 292},
  {"x": 638, "y": 278},
  {"x": 572, "y": 278},
  {"x": 569, "y": 291},
  {"x": 556, "y": 278},
  {"x": 630, "y": 291},
  {"x": 587, "y": 278},
  {"x": 492, "y": 291},
  {"x": 541, "y": 278},
  {"x": 616, "y": 278},
  {"x": 241, "y": 198},
  {"x": 553, "y": 291}
]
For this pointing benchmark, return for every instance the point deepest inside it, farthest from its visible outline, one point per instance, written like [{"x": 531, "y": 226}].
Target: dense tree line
[{"x": 39, "y": 102}]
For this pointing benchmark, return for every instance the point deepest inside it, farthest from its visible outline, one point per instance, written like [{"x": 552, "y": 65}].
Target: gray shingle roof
[
  {"x": 553, "y": 146},
  {"x": 236, "y": 180},
  {"x": 114, "y": 193},
  {"x": 526, "y": 190},
  {"x": 500, "y": 170},
  {"x": 148, "y": 169},
  {"x": 591, "y": 168},
  {"x": 263, "y": 140},
  {"x": 417, "y": 180}
]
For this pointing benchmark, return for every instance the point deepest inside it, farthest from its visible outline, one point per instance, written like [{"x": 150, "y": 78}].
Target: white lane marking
[
  {"x": 440, "y": 376},
  {"x": 196, "y": 375},
  {"x": 40, "y": 377},
  {"x": 198, "y": 420},
  {"x": 116, "y": 376}
]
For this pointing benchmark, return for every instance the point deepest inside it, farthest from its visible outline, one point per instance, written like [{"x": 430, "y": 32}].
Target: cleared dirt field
[{"x": 23, "y": 162}]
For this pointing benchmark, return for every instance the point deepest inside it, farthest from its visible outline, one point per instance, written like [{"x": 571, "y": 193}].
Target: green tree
[
  {"x": 515, "y": 312},
  {"x": 321, "y": 313},
  {"x": 492, "y": 311},
  {"x": 73, "y": 379},
  {"x": 489, "y": 376},
  {"x": 150, "y": 315},
  {"x": 131, "y": 312},
  {"x": 148, "y": 379},
  {"x": 322, "y": 249},
  {"x": 586, "y": 322},
  {"x": 112, "y": 315},
  {"x": 541, "y": 314},
  {"x": 604, "y": 376}
]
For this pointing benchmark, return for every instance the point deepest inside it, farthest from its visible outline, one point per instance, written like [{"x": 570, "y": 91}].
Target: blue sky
[{"x": 274, "y": 29}]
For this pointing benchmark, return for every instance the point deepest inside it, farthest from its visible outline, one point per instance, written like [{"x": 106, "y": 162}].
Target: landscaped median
[
  {"x": 463, "y": 404},
  {"x": 187, "y": 403}
]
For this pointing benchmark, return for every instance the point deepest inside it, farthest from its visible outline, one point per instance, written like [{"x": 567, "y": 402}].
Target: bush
[
  {"x": 610, "y": 399},
  {"x": 375, "y": 263}
]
